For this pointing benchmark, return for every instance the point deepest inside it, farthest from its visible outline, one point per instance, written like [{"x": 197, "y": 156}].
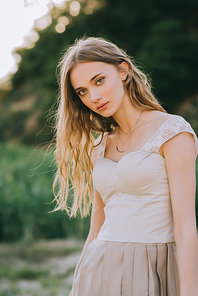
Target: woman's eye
[
  {"x": 81, "y": 92},
  {"x": 99, "y": 81}
]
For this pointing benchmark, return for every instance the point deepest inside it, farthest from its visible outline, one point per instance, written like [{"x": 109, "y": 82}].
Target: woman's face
[{"x": 99, "y": 86}]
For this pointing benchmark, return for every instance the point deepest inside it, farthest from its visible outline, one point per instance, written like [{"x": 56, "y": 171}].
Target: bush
[{"x": 26, "y": 178}]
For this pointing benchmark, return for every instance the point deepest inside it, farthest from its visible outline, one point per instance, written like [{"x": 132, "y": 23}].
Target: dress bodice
[{"x": 135, "y": 190}]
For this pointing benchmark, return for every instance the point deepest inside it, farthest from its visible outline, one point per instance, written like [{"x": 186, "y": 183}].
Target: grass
[
  {"x": 46, "y": 271},
  {"x": 24, "y": 272},
  {"x": 34, "y": 252}
]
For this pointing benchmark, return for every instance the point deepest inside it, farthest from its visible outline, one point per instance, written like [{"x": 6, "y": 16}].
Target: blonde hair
[{"x": 76, "y": 122}]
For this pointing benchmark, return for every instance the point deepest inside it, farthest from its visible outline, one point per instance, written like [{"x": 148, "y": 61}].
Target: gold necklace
[
  {"x": 123, "y": 143},
  {"x": 126, "y": 133}
]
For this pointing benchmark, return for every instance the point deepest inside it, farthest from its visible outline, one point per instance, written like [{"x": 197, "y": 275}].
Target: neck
[{"x": 127, "y": 115}]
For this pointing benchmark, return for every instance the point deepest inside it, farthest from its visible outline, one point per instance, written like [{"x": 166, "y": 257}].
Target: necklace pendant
[
  {"x": 120, "y": 151},
  {"x": 130, "y": 132}
]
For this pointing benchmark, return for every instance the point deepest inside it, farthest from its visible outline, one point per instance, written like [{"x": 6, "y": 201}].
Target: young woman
[{"x": 143, "y": 239}]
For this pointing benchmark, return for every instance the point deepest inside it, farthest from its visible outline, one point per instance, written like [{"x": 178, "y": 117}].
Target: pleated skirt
[{"x": 108, "y": 268}]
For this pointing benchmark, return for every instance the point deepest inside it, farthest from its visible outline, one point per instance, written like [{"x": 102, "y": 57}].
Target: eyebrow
[{"x": 94, "y": 77}]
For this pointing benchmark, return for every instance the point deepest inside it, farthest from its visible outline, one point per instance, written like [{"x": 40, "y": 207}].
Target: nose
[{"x": 95, "y": 96}]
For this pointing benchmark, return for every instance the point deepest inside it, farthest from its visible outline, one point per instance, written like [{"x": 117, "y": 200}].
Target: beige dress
[{"x": 134, "y": 253}]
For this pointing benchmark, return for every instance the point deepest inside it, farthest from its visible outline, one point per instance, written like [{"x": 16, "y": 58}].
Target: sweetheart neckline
[
  {"x": 142, "y": 149},
  {"x": 116, "y": 162}
]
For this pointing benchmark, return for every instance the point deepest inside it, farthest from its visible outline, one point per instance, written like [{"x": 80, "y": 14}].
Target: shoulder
[
  {"x": 164, "y": 120},
  {"x": 180, "y": 132},
  {"x": 160, "y": 120},
  {"x": 169, "y": 127},
  {"x": 176, "y": 124},
  {"x": 176, "y": 120}
]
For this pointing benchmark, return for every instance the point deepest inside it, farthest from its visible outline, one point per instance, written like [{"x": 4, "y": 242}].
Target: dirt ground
[{"x": 43, "y": 268}]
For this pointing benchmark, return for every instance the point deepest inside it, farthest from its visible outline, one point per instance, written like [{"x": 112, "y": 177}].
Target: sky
[{"x": 16, "y": 21}]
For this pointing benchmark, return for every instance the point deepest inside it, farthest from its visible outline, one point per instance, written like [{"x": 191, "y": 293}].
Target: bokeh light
[
  {"x": 74, "y": 8},
  {"x": 32, "y": 36},
  {"x": 43, "y": 22},
  {"x": 93, "y": 3},
  {"x": 60, "y": 2},
  {"x": 88, "y": 10},
  {"x": 60, "y": 28},
  {"x": 64, "y": 20},
  {"x": 16, "y": 21},
  {"x": 16, "y": 57},
  {"x": 16, "y": 60}
]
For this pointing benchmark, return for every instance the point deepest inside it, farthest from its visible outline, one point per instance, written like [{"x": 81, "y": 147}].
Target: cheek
[
  {"x": 114, "y": 88},
  {"x": 118, "y": 90}
]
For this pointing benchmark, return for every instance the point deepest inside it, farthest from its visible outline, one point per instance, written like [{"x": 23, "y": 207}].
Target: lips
[{"x": 101, "y": 106}]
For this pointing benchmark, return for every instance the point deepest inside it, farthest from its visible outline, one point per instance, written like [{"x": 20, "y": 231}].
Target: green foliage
[
  {"x": 161, "y": 35},
  {"x": 26, "y": 178},
  {"x": 23, "y": 273}
]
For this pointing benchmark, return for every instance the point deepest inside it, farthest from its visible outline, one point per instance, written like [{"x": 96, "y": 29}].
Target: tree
[{"x": 161, "y": 35}]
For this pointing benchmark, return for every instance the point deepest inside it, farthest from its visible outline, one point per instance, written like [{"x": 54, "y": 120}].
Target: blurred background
[{"x": 38, "y": 249}]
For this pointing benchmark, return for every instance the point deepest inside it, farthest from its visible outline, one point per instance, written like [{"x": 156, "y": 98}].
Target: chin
[{"x": 106, "y": 114}]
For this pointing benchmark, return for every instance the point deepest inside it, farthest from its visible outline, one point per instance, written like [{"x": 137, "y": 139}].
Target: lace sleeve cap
[{"x": 172, "y": 127}]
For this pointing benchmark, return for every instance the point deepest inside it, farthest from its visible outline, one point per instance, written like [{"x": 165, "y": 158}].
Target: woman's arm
[
  {"x": 97, "y": 218},
  {"x": 179, "y": 153}
]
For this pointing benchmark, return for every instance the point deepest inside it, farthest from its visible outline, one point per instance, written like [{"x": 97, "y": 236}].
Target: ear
[{"x": 124, "y": 69}]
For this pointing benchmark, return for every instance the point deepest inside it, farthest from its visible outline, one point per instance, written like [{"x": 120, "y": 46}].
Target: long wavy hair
[{"x": 75, "y": 123}]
